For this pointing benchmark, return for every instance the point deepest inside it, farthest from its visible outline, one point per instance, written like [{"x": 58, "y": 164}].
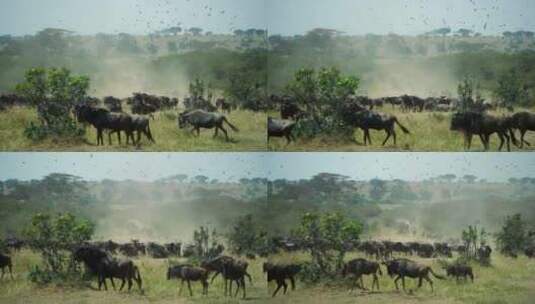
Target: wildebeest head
[
  {"x": 465, "y": 121},
  {"x": 91, "y": 256},
  {"x": 391, "y": 267},
  {"x": 183, "y": 120}
]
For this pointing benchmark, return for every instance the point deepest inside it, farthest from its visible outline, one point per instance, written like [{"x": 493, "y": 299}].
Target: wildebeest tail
[
  {"x": 231, "y": 125},
  {"x": 436, "y": 275},
  {"x": 405, "y": 130}
]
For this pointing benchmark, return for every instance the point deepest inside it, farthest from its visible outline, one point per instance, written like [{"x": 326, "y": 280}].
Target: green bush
[
  {"x": 513, "y": 236},
  {"x": 55, "y": 238}
]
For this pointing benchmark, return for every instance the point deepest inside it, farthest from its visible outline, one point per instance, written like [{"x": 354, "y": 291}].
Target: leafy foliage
[
  {"x": 513, "y": 236},
  {"x": 323, "y": 95},
  {"x": 55, "y": 92},
  {"x": 327, "y": 236},
  {"x": 55, "y": 238}
]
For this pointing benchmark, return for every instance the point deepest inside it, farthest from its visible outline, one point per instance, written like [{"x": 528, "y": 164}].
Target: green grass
[
  {"x": 429, "y": 132},
  {"x": 507, "y": 281},
  {"x": 251, "y": 137}
]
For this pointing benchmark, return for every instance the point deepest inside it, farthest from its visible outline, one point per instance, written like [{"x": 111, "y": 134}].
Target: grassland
[
  {"x": 506, "y": 281},
  {"x": 251, "y": 137},
  {"x": 430, "y": 132}
]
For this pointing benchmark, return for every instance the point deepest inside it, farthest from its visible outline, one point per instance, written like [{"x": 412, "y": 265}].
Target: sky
[
  {"x": 293, "y": 166},
  {"x": 287, "y": 17}
]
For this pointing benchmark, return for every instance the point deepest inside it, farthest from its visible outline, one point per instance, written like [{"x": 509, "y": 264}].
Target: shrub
[
  {"x": 55, "y": 237},
  {"x": 327, "y": 236},
  {"x": 55, "y": 92}
]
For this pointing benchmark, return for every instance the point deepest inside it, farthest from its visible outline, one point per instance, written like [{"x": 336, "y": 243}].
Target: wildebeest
[
  {"x": 401, "y": 248},
  {"x": 113, "y": 104},
  {"x": 5, "y": 262},
  {"x": 280, "y": 128},
  {"x": 426, "y": 250},
  {"x": 372, "y": 248},
  {"x": 406, "y": 268},
  {"x": 107, "y": 267},
  {"x": 484, "y": 125},
  {"x": 141, "y": 124},
  {"x": 157, "y": 251},
  {"x": 223, "y": 105},
  {"x": 102, "y": 119},
  {"x": 523, "y": 121},
  {"x": 191, "y": 273},
  {"x": 459, "y": 270},
  {"x": 231, "y": 270},
  {"x": 173, "y": 248},
  {"x": 360, "y": 267},
  {"x": 280, "y": 273},
  {"x": 483, "y": 253},
  {"x": 367, "y": 120},
  {"x": 207, "y": 120}
]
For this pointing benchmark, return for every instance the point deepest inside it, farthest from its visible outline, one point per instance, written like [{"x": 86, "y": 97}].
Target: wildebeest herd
[
  {"x": 109, "y": 114},
  {"x": 390, "y": 257},
  {"x": 359, "y": 113}
]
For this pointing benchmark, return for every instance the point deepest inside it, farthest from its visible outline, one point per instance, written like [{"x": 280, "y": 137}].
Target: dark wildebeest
[
  {"x": 459, "y": 270},
  {"x": 406, "y": 268},
  {"x": 280, "y": 128},
  {"x": 280, "y": 273},
  {"x": 141, "y": 124},
  {"x": 231, "y": 270},
  {"x": 426, "y": 250},
  {"x": 523, "y": 121},
  {"x": 5, "y": 262},
  {"x": 401, "y": 248},
  {"x": 360, "y": 267},
  {"x": 484, "y": 125},
  {"x": 102, "y": 120},
  {"x": 173, "y": 248},
  {"x": 113, "y": 104},
  {"x": 372, "y": 248},
  {"x": 367, "y": 120},
  {"x": 223, "y": 105},
  {"x": 107, "y": 267},
  {"x": 190, "y": 273},
  {"x": 207, "y": 120},
  {"x": 483, "y": 253}
]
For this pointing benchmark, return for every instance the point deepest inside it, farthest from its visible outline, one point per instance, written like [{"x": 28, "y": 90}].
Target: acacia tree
[
  {"x": 323, "y": 95},
  {"x": 328, "y": 237}
]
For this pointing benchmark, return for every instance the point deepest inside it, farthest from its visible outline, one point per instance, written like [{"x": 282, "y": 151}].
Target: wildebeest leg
[
  {"x": 243, "y": 286},
  {"x": 388, "y": 133},
  {"x": 522, "y": 134},
  {"x": 216, "y": 131},
  {"x": 292, "y": 281},
  {"x": 193, "y": 130},
  {"x": 224, "y": 131},
  {"x": 129, "y": 284},
  {"x": 238, "y": 284},
  {"x": 428, "y": 279},
  {"x": 394, "y": 135},
  {"x": 420, "y": 282},
  {"x": 99, "y": 137},
  {"x": 362, "y": 283},
  {"x": 181, "y": 287},
  {"x": 403, "y": 282},
  {"x": 375, "y": 281},
  {"x": 285, "y": 286},
  {"x": 122, "y": 284},
  {"x": 119, "y": 136},
  {"x": 396, "y": 282},
  {"x": 279, "y": 285},
  {"x": 500, "y": 136},
  {"x": 189, "y": 287},
  {"x": 205, "y": 287},
  {"x": 288, "y": 140}
]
